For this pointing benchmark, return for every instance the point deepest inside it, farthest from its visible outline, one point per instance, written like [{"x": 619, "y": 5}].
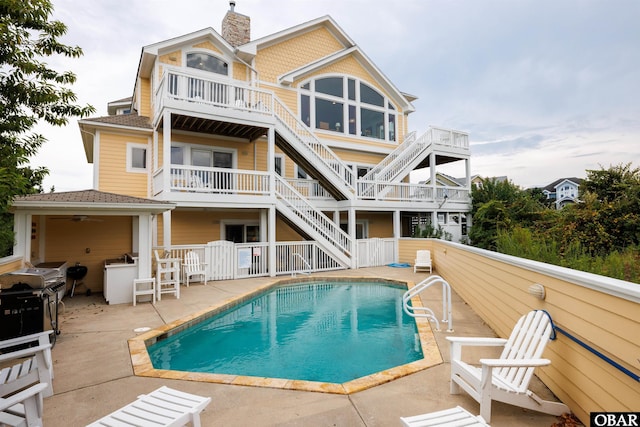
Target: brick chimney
[{"x": 236, "y": 28}]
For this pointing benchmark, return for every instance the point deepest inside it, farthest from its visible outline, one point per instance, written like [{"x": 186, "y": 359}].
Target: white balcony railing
[
  {"x": 220, "y": 92},
  {"x": 196, "y": 179},
  {"x": 405, "y": 192},
  {"x": 449, "y": 138}
]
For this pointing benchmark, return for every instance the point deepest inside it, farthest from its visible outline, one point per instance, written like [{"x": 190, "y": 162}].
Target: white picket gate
[{"x": 220, "y": 262}]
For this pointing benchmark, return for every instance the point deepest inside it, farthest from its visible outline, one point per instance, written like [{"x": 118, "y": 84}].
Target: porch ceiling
[
  {"x": 216, "y": 127},
  {"x": 440, "y": 160}
]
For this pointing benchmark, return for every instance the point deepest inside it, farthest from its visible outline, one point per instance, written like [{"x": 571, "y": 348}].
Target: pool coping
[{"x": 142, "y": 365}]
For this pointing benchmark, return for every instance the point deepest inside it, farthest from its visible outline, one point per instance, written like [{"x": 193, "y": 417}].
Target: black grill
[{"x": 29, "y": 300}]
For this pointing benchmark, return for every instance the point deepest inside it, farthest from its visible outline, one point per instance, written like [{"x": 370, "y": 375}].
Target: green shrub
[{"x": 623, "y": 264}]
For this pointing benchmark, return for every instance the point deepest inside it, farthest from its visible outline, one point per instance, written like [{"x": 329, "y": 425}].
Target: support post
[
  {"x": 272, "y": 241},
  {"x": 351, "y": 226}
]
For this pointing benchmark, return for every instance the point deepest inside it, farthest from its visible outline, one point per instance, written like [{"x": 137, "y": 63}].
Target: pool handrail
[{"x": 425, "y": 311}]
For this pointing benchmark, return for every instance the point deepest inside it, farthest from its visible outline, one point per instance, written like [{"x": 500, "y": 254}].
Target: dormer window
[{"x": 206, "y": 62}]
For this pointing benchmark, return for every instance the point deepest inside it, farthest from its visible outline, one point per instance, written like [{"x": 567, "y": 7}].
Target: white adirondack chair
[
  {"x": 454, "y": 417},
  {"x": 162, "y": 407},
  {"x": 192, "y": 267},
  {"x": 422, "y": 261},
  {"x": 506, "y": 379},
  {"x": 32, "y": 364},
  {"x": 23, "y": 409}
]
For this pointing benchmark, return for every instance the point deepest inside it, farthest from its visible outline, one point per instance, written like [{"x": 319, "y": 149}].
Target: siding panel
[{"x": 113, "y": 175}]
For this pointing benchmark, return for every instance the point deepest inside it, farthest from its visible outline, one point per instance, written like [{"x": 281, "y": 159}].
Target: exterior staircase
[
  {"x": 303, "y": 215},
  {"x": 402, "y": 160},
  {"x": 299, "y": 143}
]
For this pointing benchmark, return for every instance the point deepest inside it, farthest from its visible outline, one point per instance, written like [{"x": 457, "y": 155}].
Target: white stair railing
[
  {"x": 373, "y": 172},
  {"x": 407, "y": 155},
  {"x": 399, "y": 166},
  {"x": 420, "y": 311},
  {"x": 317, "y": 223},
  {"x": 310, "y": 255},
  {"x": 308, "y": 144}
]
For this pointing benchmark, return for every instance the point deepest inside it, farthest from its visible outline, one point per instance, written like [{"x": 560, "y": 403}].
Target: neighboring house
[
  {"x": 563, "y": 191},
  {"x": 477, "y": 179},
  {"x": 294, "y": 146}
]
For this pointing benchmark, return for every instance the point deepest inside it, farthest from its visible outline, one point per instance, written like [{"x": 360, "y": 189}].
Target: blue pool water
[{"x": 327, "y": 332}]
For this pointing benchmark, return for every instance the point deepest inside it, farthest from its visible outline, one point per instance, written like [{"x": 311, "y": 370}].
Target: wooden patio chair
[
  {"x": 454, "y": 417},
  {"x": 506, "y": 379},
  {"x": 162, "y": 407},
  {"x": 192, "y": 267},
  {"x": 422, "y": 261}
]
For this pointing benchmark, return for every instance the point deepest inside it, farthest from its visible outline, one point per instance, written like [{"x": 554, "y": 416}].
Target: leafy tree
[
  {"x": 499, "y": 206},
  {"x": 620, "y": 183},
  {"x": 30, "y": 91},
  {"x": 608, "y": 218},
  {"x": 600, "y": 234}
]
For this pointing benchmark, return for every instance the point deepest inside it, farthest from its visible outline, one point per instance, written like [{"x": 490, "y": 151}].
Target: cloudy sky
[{"x": 545, "y": 88}]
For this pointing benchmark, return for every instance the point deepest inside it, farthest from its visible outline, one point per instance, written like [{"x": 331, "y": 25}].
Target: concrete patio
[{"x": 94, "y": 374}]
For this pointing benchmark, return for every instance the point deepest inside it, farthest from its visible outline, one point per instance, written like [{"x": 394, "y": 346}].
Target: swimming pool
[
  {"x": 320, "y": 331},
  {"x": 326, "y": 335}
]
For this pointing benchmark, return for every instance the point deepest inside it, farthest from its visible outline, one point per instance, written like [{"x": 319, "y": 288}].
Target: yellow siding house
[{"x": 295, "y": 144}]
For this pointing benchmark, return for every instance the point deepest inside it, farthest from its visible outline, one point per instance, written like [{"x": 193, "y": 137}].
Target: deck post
[
  {"x": 272, "y": 241},
  {"x": 351, "y": 226}
]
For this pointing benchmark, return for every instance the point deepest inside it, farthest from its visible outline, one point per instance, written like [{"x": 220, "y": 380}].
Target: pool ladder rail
[{"x": 425, "y": 311}]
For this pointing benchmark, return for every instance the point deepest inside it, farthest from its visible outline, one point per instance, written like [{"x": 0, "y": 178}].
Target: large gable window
[
  {"x": 346, "y": 105},
  {"x": 206, "y": 62}
]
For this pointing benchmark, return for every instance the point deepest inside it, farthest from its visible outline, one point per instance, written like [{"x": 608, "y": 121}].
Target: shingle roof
[
  {"x": 130, "y": 120},
  {"x": 552, "y": 187},
  {"x": 87, "y": 196},
  {"x": 127, "y": 99}
]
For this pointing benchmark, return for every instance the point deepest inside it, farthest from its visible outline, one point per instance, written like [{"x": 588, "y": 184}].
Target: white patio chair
[
  {"x": 23, "y": 409},
  {"x": 506, "y": 379},
  {"x": 192, "y": 267},
  {"x": 422, "y": 261},
  {"x": 162, "y": 407},
  {"x": 454, "y": 417},
  {"x": 32, "y": 364},
  {"x": 167, "y": 276}
]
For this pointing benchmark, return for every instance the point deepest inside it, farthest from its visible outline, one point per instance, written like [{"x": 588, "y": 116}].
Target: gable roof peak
[{"x": 249, "y": 49}]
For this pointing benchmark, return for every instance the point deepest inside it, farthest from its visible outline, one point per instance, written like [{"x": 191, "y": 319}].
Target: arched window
[
  {"x": 349, "y": 106},
  {"x": 206, "y": 62}
]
